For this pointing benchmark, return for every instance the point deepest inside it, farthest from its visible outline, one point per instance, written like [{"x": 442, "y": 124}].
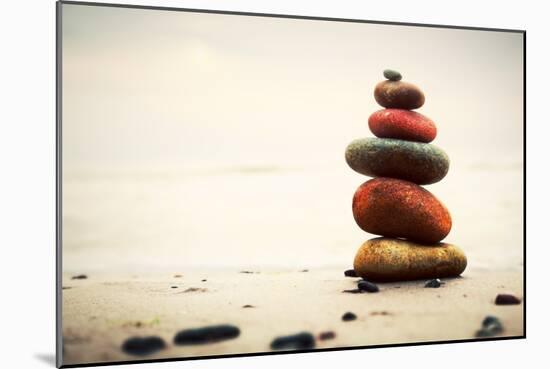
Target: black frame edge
[
  {"x": 58, "y": 183},
  {"x": 287, "y": 16}
]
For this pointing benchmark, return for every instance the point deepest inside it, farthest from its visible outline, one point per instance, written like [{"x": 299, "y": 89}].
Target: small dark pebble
[
  {"x": 210, "y": 334},
  {"x": 177, "y": 276},
  {"x": 174, "y": 287},
  {"x": 367, "y": 286},
  {"x": 505, "y": 299},
  {"x": 203, "y": 280},
  {"x": 392, "y": 75},
  {"x": 350, "y": 273},
  {"x": 305, "y": 271},
  {"x": 491, "y": 321},
  {"x": 299, "y": 341},
  {"x": 248, "y": 306},
  {"x": 491, "y": 326},
  {"x": 248, "y": 272},
  {"x": 355, "y": 290},
  {"x": 142, "y": 346},
  {"x": 349, "y": 316},
  {"x": 328, "y": 335},
  {"x": 80, "y": 276},
  {"x": 66, "y": 288},
  {"x": 195, "y": 289},
  {"x": 433, "y": 283}
]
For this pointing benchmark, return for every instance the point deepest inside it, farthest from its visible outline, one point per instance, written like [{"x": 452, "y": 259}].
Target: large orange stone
[{"x": 397, "y": 208}]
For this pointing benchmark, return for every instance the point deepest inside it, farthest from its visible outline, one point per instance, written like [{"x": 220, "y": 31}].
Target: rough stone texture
[
  {"x": 398, "y": 95},
  {"x": 389, "y": 259},
  {"x": 396, "y": 208},
  {"x": 417, "y": 162},
  {"x": 403, "y": 125}
]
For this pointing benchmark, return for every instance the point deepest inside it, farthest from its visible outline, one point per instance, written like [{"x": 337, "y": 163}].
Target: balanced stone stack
[{"x": 411, "y": 220}]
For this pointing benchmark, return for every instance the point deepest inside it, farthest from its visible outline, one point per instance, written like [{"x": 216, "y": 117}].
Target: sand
[{"x": 102, "y": 311}]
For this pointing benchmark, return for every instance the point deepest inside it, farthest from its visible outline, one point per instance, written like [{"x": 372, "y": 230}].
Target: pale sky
[{"x": 149, "y": 88}]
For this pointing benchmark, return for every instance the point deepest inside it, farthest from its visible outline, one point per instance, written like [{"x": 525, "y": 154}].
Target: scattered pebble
[
  {"x": 177, "y": 276},
  {"x": 380, "y": 313},
  {"x": 350, "y": 273},
  {"x": 367, "y": 286},
  {"x": 142, "y": 346},
  {"x": 210, "y": 334},
  {"x": 174, "y": 287},
  {"x": 66, "y": 288},
  {"x": 248, "y": 306},
  {"x": 392, "y": 75},
  {"x": 299, "y": 341},
  {"x": 328, "y": 335},
  {"x": 203, "y": 280},
  {"x": 355, "y": 290},
  {"x": 80, "y": 276},
  {"x": 349, "y": 316},
  {"x": 305, "y": 271},
  {"x": 490, "y": 326},
  {"x": 506, "y": 299},
  {"x": 433, "y": 283},
  {"x": 248, "y": 272},
  {"x": 195, "y": 289}
]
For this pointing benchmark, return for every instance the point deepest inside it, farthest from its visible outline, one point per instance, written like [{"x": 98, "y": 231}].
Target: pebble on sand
[
  {"x": 299, "y": 341},
  {"x": 141, "y": 346},
  {"x": 210, "y": 334},
  {"x": 433, "y": 283},
  {"x": 80, "y": 276},
  {"x": 350, "y": 273},
  {"x": 349, "y": 316},
  {"x": 328, "y": 335},
  {"x": 354, "y": 290},
  {"x": 367, "y": 286},
  {"x": 490, "y": 326},
  {"x": 507, "y": 299}
]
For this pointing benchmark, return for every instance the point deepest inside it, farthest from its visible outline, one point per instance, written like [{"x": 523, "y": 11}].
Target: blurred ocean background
[{"x": 203, "y": 140}]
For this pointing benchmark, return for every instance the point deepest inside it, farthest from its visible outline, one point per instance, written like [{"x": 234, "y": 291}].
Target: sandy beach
[
  {"x": 132, "y": 259},
  {"x": 102, "y": 311}
]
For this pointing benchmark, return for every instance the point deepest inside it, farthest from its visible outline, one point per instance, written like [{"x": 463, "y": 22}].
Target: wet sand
[{"x": 103, "y": 310}]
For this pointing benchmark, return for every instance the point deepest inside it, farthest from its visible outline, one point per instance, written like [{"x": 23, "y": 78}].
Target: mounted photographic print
[{"x": 240, "y": 184}]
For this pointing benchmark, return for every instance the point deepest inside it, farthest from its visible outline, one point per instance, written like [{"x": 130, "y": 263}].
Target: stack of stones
[{"x": 411, "y": 220}]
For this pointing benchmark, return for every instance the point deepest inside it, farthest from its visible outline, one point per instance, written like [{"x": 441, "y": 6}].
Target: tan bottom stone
[{"x": 391, "y": 259}]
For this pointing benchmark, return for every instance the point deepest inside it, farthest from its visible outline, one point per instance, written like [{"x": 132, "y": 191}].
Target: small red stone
[{"x": 402, "y": 124}]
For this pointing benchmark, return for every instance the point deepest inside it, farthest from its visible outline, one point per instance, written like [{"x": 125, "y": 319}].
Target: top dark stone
[{"x": 392, "y": 75}]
